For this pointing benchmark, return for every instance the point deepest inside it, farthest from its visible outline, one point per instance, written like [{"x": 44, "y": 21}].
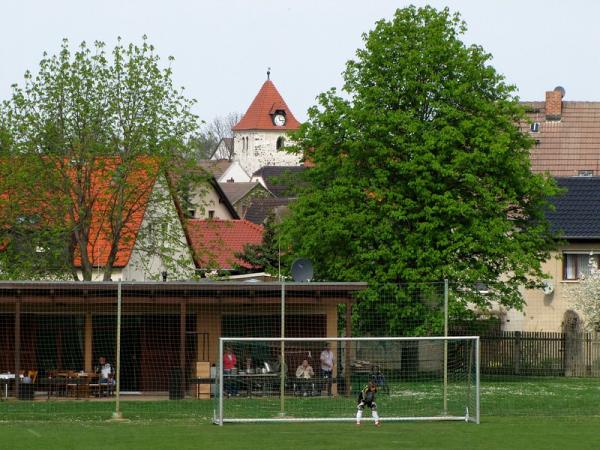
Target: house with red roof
[
  {"x": 159, "y": 233},
  {"x": 153, "y": 244},
  {"x": 203, "y": 238},
  {"x": 260, "y": 137}
]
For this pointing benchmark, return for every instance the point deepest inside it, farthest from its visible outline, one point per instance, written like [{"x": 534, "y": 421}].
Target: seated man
[
  {"x": 105, "y": 373},
  {"x": 304, "y": 373}
]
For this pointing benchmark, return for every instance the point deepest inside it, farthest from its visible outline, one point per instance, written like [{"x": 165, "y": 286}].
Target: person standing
[
  {"x": 366, "y": 397},
  {"x": 229, "y": 362},
  {"x": 327, "y": 366}
]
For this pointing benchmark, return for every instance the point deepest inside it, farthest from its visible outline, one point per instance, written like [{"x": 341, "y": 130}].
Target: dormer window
[{"x": 535, "y": 127}]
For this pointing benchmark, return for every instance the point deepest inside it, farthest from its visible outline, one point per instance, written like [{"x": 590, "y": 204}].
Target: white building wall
[
  {"x": 236, "y": 173},
  {"x": 98, "y": 274},
  {"x": 206, "y": 199},
  {"x": 262, "y": 150},
  {"x": 177, "y": 260}
]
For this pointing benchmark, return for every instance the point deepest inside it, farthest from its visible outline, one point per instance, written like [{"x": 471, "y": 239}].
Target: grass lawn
[
  {"x": 528, "y": 413},
  {"x": 493, "y": 433}
]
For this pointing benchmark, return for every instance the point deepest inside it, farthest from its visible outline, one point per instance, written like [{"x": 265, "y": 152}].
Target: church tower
[{"x": 260, "y": 136}]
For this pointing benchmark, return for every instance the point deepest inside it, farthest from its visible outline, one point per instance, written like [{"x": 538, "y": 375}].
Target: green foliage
[
  {"x": 265, "y": 255},
  {"x": 204, "y": 145},
  {"x": 421, "y": 172},
  {"x": 83, "y": 143}
]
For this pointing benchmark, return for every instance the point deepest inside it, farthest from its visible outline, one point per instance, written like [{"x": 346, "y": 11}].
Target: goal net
[{"x": 417, "y": 378}]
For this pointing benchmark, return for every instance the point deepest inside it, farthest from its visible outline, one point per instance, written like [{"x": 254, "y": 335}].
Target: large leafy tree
[
  {"x": 89, "y": 144},
  {"x": 421, "y": 173}
]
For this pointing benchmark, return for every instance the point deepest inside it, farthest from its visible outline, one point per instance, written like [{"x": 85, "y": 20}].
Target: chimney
[{"x": 554, "y": 103}]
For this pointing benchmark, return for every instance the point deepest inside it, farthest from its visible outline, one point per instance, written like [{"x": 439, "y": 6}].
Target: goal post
[{"x": 418, "y": 378}]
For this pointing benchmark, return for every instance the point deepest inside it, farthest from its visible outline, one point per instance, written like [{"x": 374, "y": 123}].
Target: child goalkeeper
[{"x": 366, "y": 397}]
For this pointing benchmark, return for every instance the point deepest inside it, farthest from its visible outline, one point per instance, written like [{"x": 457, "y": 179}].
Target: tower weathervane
[{"x": 268, "y": 73}]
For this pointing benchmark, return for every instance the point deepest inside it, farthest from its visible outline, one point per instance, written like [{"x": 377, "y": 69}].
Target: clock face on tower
[{"x": 279, "y": 120}]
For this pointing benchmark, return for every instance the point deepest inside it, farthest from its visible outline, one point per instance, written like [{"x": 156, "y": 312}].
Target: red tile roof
[
  {"x": 260, "y": 113},
  {"x": 215, "y": 242},
  {"x": 100, "y": 239},
  {"x": 569, "y": 145}
]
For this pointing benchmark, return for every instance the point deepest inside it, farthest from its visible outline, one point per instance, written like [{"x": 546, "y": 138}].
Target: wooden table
[{"x": 63, "y": 383}]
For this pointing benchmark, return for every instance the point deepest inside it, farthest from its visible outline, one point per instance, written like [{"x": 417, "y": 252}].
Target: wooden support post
[
  {"x": 182, "y": 314},
  {"x": 347, "y": 379},
  {"x": 88, "y": 342},
  {"x": 182, "y": 317},
  {"x": 332, "y": 331},
  {"x": 17, "y": 346}
]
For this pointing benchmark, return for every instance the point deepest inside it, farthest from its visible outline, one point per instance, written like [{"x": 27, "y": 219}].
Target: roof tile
[
  {"x": 575, "y": 212},
  {"x": 259, "y": 114},
  {"x": 215, "y": 242}
]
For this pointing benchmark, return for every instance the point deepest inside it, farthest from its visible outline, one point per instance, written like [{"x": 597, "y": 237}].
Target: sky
[{"x": 222, "y": 48}]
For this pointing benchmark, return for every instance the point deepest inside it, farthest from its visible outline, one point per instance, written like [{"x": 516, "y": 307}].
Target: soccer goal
[{"x": 287, "y": 380}]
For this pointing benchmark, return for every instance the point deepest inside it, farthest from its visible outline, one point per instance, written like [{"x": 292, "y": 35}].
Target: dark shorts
[{"x": 371, "y": 405}]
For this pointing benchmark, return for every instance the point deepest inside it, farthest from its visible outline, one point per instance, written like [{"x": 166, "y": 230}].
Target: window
[
  {"x": 211, "y": 214},
  {"x": 191, "y": 213},
  {"x": 280, "y": 142},
  {"x": 535, "y": 127},
  {"x": 585, "y": 173},
  {"x": 578, "y": 265}
]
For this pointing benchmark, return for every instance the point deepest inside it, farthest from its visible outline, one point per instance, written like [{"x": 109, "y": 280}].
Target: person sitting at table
[
  {"x": 105, "y": 373},
  {"x": 304, "y": 373}
]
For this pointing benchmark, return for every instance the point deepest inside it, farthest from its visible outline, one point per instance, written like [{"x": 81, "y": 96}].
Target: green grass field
[{"x": 520, "y": 414}]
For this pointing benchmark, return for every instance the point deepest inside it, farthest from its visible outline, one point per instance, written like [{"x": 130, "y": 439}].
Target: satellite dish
[
  {"x": 548, "y": 287},
  {"x": 302, "y": 270}
]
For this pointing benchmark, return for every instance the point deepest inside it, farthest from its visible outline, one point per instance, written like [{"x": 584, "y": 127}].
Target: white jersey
[
  {"x": 105, "y": 371},
  {"x": 326, "y": 360}
]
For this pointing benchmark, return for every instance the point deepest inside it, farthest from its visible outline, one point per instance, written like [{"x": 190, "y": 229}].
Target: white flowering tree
[{"x": 586, "y": 296}]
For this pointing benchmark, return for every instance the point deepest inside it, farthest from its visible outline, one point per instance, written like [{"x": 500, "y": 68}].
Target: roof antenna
[{"x": 268, "y": 73}]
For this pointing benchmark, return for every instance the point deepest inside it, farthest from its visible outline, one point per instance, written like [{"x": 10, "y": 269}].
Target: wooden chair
[
  {"x": 72, "y": 383},
  {"x": 94, "y": 384}
]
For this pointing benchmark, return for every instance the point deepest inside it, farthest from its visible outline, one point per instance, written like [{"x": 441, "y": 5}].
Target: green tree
[
  {"x": 266, "y": 255},
  {"x": 421, "y": 171},
  {"x": 88, "y": 146}
]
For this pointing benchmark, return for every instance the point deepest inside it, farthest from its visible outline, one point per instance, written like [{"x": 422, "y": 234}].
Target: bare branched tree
[
  {"x": 220, "y": 128},
  {"x": 214, "y": 140}
]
